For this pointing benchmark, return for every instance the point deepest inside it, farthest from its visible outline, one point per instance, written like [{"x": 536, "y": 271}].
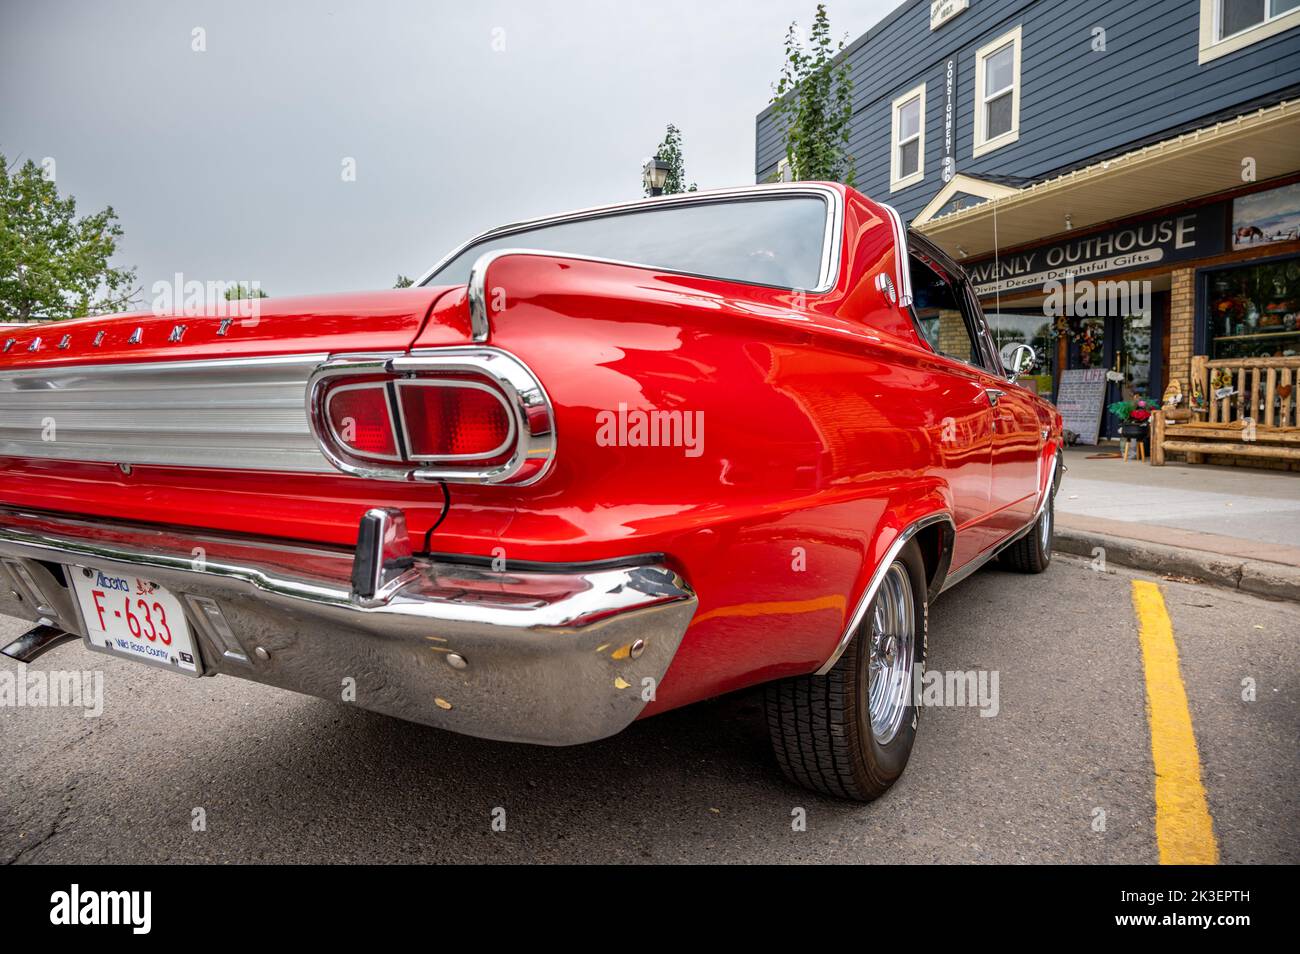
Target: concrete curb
[{"x": 1274, "y": 580}]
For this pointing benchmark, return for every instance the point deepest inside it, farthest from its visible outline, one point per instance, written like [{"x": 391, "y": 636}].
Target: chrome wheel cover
[
  {"x": 1045, "y": 529},
  {"x": 892, "y": 651}
]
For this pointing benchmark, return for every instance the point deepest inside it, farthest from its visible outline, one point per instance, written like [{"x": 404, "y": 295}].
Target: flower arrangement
[
  {"x": 1080, "y": 333},
  {"x": 1136, "y": 410}
]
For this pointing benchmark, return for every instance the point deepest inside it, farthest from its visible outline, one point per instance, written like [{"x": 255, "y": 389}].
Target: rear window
[{"x": 776, "y": 241}]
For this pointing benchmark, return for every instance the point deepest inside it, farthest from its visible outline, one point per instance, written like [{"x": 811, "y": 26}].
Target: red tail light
[
  {"x": 469, "y": 415},
  {"x": 454, "y": 420},
  {"x": 360, "y": 422}
]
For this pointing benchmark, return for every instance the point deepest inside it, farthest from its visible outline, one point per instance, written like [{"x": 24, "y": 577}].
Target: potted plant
[{"x": 1134, "y": 416}]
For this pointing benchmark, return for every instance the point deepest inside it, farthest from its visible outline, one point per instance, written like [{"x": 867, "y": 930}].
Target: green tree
[
  {"x": 670, "y": 151},
  {"x": 52, "y": 263},
  {"x": 403, "y": 281},
  {"x": 814, "y": 104},
  {"x": 242, "y": 290}
]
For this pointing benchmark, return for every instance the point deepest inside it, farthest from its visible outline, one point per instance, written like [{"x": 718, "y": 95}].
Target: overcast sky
[{"x": 227, "y": 164}]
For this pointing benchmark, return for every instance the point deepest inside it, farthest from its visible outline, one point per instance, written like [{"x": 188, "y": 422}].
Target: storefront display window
[
  {"x": 1254, "y": 310},
  {"x": 1010, "y": 329},
  {"x": 1135, "y": 357}
]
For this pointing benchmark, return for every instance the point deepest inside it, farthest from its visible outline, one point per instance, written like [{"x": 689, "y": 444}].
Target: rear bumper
[{"x": 548, "y": 654}]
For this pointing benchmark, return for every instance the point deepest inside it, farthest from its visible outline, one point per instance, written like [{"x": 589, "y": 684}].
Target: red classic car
[{"x": 590, "y": 468}]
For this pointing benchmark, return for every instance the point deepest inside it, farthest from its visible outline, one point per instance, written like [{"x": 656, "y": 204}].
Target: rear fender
[{"x": 923, "y": 515}]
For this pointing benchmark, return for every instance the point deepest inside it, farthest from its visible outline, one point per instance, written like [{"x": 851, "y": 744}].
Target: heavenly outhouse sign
[{"x": 1178, "y": 236}]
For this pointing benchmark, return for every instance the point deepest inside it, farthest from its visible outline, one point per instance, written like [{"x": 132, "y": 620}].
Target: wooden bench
[{"x": 1236, "y": 425}]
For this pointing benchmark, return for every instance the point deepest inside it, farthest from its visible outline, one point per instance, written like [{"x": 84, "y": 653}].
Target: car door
[
  {"x": 959, "y": 395},
  {"x": 1017, "y": 438}
]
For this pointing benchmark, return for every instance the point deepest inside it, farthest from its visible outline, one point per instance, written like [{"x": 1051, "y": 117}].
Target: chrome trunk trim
[{"x": 230, "y": 413}]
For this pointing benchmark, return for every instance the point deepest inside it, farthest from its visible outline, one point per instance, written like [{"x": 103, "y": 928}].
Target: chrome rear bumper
[{"x": 548, "y": 654}]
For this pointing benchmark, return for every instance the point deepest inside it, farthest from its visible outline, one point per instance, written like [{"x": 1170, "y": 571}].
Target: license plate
[{"x": 134, "y": 617}]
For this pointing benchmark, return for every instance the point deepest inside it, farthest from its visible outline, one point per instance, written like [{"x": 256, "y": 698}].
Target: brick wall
[
  {"x": 954, "y": 339},
  {"x": 1182, "y": 324}
]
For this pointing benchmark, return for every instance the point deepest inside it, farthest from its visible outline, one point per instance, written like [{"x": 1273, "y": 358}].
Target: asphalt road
[{"x": 286, "y": 778}]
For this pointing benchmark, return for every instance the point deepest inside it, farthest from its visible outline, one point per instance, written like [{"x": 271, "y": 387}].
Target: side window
[{"x": 941, "y": 313}]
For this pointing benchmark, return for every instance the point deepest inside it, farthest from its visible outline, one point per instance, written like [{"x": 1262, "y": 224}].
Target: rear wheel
[{"x": 849, "y": 733}]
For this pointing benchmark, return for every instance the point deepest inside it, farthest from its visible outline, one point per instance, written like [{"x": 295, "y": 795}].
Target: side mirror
[{"x": 1020, "y": 359}]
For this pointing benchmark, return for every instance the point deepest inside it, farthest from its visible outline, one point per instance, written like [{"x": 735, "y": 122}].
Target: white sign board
[
  {"x": 1081, "y": 399},
  {"x": 941, "y": 11}
]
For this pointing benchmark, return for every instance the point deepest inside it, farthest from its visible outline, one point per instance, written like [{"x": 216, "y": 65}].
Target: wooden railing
[
  {"x": 1276, "y": 378},
  {"x": 1257, "y": 419}
]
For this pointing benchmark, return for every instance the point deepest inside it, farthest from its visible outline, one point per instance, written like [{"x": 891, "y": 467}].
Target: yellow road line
[{"x": 1184, "y": 829}]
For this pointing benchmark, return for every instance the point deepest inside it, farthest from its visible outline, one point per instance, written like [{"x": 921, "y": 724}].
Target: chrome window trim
[
  {"x": 831, "y": 243},
  {"x": 534, "y": 433},
  {"x": 878, "y": 577},
  {"x": 392, "y": 424},
  {"x": 900, "y": 243},
  {"x": 511, "y": 435}
]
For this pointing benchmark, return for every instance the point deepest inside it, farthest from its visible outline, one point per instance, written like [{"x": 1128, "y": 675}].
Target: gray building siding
[{"x": 1075, "y": 103}]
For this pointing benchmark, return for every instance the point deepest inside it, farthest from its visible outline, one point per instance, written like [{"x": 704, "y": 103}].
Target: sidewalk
[{"x": 1233, "y": 526}]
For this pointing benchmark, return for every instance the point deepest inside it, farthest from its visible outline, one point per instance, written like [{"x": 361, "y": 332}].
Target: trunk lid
[
  {"x": 125, "y": 417},
  {"x": 351, "y": 322}
]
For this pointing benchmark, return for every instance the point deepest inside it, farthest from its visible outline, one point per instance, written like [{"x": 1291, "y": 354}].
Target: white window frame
[
  {"x": 1211, "y": 47},
  {"x": 896, "y": 179},
  {"x": 983, "y": 144}
]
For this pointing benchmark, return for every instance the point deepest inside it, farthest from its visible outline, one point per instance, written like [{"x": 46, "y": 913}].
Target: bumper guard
[{"x": 548, "y": 654}]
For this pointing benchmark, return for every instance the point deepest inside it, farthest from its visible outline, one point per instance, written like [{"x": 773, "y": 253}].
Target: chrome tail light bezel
[{"x": 532, "y": 416}]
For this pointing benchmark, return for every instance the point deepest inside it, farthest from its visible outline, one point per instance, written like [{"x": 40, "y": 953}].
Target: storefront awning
[{"x": 1199, "y": 163}]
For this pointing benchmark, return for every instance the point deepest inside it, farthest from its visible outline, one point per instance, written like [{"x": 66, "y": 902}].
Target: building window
[
  {"x": 997, "y": 93},
  {"x": 908, "y": 139},
  {"x": 1255, "y": 310},
  {"x": 1231, "y": 25}
]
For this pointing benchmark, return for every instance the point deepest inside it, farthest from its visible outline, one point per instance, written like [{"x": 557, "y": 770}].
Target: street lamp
[{"x": 654, "y": 174}]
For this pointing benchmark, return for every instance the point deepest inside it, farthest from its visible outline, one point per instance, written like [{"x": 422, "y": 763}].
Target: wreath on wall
[{"x": 1080, "y": 334}]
